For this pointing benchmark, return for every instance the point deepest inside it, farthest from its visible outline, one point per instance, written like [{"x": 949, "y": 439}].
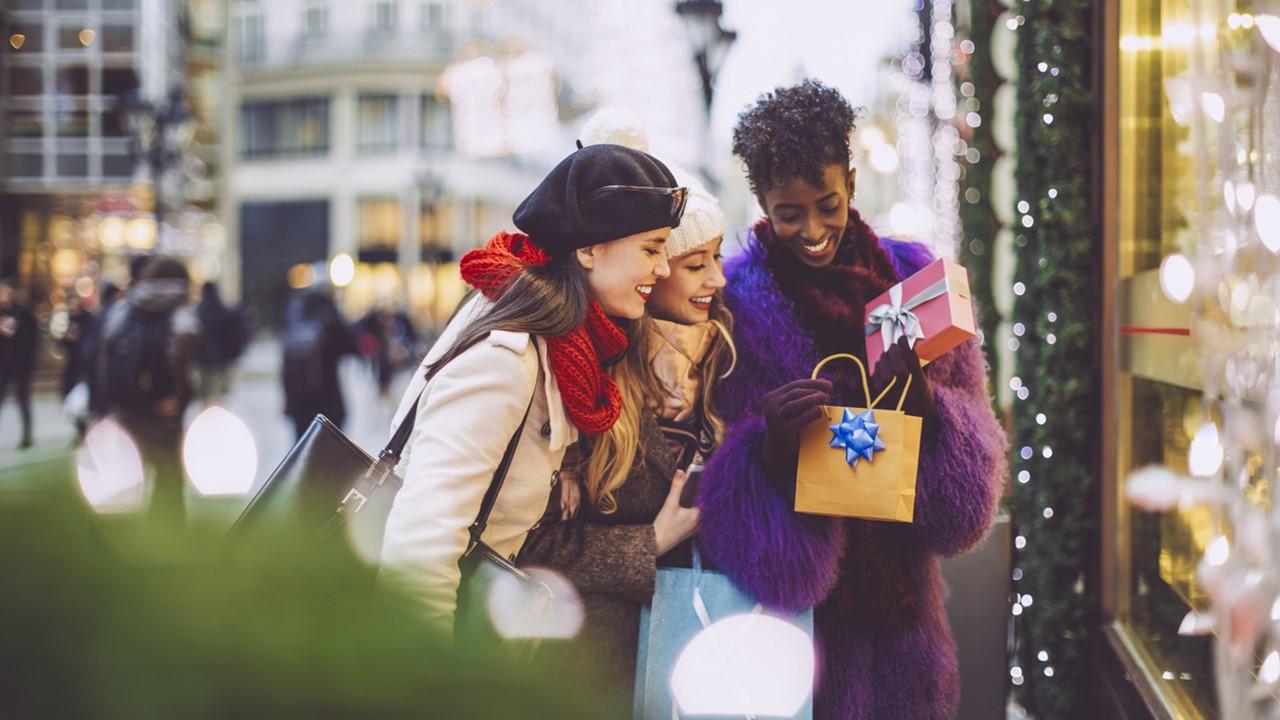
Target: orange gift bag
[{"x": 860, "y": 461}]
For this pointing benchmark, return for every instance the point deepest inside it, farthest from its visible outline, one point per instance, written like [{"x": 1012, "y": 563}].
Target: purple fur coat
[{"x": 867, "y": 669}]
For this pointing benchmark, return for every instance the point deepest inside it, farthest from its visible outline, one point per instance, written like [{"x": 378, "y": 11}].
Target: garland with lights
[
  {"x": 1055, "y": 343},
  {"x": 977, "y": 214}
]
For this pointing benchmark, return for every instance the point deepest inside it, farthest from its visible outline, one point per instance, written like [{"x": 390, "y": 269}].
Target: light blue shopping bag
[{"x": 686, "y": 601}]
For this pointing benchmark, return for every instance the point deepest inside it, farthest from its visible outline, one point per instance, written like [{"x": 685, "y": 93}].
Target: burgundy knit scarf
[{"x": 590, "y": 395}]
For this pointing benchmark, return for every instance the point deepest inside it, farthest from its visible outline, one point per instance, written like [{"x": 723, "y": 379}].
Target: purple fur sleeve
[
  {"x": 785, "y": 560},
  {"x": 963, "y": 470}
]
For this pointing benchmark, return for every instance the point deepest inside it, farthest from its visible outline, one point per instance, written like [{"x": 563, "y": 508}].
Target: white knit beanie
[{"x": 703, "y": 220}]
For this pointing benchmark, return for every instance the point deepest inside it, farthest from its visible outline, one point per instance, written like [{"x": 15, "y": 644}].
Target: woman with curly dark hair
[{"x": 799, "y": 292}]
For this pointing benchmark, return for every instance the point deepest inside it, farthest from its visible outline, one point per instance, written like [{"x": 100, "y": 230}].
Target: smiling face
[
  {"x": 621, "y": 273},
  {"x": 696, "y": 277},
  {"x": 810, "y": 221}
]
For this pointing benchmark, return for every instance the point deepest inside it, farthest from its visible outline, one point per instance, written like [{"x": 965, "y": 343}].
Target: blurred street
[{"x": 255, "y": 397}]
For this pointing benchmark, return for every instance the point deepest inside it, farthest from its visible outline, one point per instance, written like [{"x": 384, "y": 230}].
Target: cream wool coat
[{"x": 469, "y": 412}]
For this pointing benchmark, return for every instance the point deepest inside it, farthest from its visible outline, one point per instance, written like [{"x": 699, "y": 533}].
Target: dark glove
[
  {"x": 786, "y": 410},
  {"x": 900, "y": 362}
]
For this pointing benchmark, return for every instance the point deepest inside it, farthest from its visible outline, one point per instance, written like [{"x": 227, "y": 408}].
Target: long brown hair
[
  {"x": 720, "y": 362},
  {"x": 548, "y": 300},
  {"x": 606, "y": 460}
]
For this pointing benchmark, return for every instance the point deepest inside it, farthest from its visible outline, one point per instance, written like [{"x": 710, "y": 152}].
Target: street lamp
[
  {"x": 710, "y": 41},
  {"x": 157, "y": 133}
]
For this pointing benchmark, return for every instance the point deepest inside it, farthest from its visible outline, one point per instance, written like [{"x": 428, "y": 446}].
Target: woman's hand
[
  {"x": 674, "y": 524},
  {"x": 900, "y": 362},
  {"x": 570, "y": 497},
  {"x": 786, "y": 410}
]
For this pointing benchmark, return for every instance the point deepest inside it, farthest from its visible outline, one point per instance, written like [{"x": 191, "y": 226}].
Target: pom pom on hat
[
  {"x": 703, "y": 220},
  {"x": 612, "y": 125}
]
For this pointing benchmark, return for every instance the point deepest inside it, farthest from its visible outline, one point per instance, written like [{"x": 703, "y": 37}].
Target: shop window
[
  {"x": 73, "y": 165},
  {"x": 28, "y": 4},
  {"x": 113, "y": 125},
  {"x": 25, "y": 123},
  {"x": 315, "y": 19},
  {"x": 383, "y": 16},
  {"x": 73, "y": 80},
  {"x": 117, "y": 38},
  {"x": 436, "y": 124},
  {"x": 26, "y": 80},
  {"x": 118, "y": 4},
  {"x": 118, "y": 82},
  {"x": 435, "y": 231},
  {"x": 434, "y": 16},
  {"x": 72, "y": 4},
  {"x": 117, "y": 167},
  {"x": 72, "y": 123},
  {"x": 284, "y": 127},
  {"x": 25, "y": 165},
  {"x": 251, "y": 29},
  {"x": 378, "y": 220},
  {"x": 1157, "y": 378},
  {"x": 378, "y": 122}
]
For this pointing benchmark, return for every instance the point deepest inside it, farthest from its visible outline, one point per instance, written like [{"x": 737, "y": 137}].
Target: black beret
[{"x": 600, "y": 193}]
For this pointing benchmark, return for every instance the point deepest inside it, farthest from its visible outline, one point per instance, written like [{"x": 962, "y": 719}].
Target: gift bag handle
[{"x": 866, "y": 386}]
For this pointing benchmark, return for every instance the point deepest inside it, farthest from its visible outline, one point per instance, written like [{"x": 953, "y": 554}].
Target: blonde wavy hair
[{"x": 606, "y": 460}]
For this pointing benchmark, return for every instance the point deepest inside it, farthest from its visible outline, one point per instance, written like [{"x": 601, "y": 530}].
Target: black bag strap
[
  {"x": 500, "y": 474},
  {"x": 391, "y": 454}
]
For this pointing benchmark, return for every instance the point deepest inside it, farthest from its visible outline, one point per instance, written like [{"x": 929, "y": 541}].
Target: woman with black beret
[{"x": 548, "y": 320}]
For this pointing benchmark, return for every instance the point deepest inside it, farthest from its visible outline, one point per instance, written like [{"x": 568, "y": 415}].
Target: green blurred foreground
[{"x": 109, "y": 617}]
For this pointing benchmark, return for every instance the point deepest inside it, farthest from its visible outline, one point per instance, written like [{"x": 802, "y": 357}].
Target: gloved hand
[
  {"x": 900, "y": 362},
  {"x": 786, "y": 410}
]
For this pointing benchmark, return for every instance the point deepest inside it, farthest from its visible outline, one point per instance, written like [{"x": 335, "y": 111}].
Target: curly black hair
[{"x": 794, "y": 132}]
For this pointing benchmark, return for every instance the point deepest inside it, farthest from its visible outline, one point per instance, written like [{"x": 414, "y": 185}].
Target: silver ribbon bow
[{"x": 895, "y": 318}]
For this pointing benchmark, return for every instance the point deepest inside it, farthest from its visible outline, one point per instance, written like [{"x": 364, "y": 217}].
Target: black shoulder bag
[{"x": 326, "y": 470}]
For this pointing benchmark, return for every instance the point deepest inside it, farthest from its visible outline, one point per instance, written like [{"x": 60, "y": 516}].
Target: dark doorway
[{"x": 275, "y": 236}]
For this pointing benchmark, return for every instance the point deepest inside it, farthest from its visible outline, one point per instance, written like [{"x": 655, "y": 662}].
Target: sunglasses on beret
[{"x": 679, "y": 197}]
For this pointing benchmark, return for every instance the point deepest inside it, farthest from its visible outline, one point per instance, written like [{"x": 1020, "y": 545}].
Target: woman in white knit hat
[{"x": 630, "y": 519}]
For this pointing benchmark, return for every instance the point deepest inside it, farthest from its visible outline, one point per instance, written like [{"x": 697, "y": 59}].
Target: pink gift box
[{"x": 932, "y": 306}]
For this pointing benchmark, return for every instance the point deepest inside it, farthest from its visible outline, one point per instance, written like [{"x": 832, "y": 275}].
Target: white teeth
[
  {"x": 701, "y": 300},
  {"x": 817, "y": 249},
  {"x": 644, "y": 289}
]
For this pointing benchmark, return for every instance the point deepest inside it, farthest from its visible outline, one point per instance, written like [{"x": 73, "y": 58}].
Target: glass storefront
[{"x": 1167, "y": 156}]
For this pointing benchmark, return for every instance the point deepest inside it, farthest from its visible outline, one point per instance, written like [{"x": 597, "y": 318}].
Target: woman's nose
[
  {"x": 716, "y": 280},
  {"x": 662, "y": 269}
]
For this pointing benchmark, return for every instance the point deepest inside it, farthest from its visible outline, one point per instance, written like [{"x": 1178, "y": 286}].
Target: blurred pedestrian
[
  {"x": 150, "y": 344},
  {"x": 74, "y": 330},
  {"x": 315, "y": 340},
  {"x": 388, "y": 341},
  {"x": 91, "y": 345},
  {"x": 222, "y": 340},
  {"x": 18, "y": 335}
]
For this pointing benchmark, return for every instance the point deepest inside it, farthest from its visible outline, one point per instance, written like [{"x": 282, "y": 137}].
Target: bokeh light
[
  {"x": 1206, "y": 453},
  {"x": 548, "y": 608},
  {"x": 219, "y": 453},
  {"x": 109, "y": 469},
  {"x": 1177, "y": 277},
  {"x": 342, "y": 270},
  {"x": 751, "y": 664}
]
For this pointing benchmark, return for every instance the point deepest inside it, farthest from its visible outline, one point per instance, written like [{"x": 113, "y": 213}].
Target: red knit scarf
[{"x": 590, "y": 395}]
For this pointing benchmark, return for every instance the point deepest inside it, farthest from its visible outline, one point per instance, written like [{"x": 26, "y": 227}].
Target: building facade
[{"x": 397, "y": 135}]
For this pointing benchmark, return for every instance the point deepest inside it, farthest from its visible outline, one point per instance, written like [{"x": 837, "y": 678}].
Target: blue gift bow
[
  {"x": 859, "y": 435},
  {"x": 895, "y": 318}
]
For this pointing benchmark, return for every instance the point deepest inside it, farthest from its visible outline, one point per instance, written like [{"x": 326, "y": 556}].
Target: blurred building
[
  {"x": 378, "y": 140},
  {"x": 82, "y": 88}
]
